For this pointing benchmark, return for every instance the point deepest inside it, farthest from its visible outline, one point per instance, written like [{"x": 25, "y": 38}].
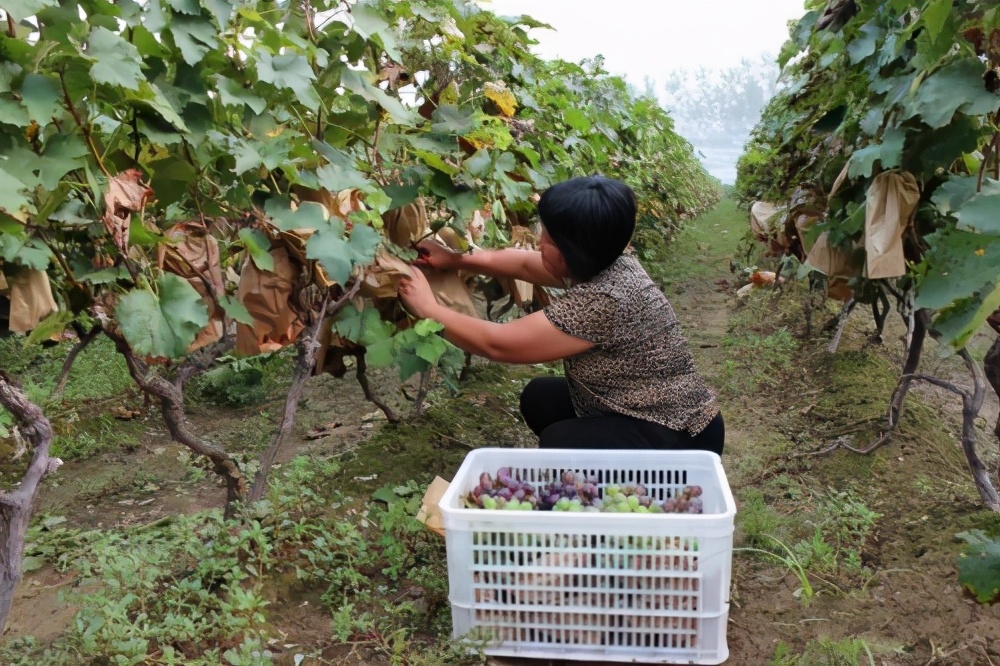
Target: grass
[
  {"x": 701, "y": 246},
  {"x": 826, "y": 652},
  {"x": 81, "y": 417},
  {"x": 484, "y": 413},
  {"x": 753, "y": 360},
  {"x": 98, "y": 373}
]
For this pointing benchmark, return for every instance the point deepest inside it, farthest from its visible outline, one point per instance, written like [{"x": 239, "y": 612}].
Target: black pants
[{"x": 548, "y": 410}]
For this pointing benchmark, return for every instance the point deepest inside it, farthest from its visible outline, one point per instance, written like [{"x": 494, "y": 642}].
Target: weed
[
  {"x": 826, "y": 652},
  {"x": 754, "y": 360},
  {"x": 755, "y": 519},
  {"x": 787, "y": 557},
  {"x": 191, "y": 589},
  {"x": 839, "y": 535},
  {"x": 242, "y": 382},
  {"x": 99, "y": 372}
]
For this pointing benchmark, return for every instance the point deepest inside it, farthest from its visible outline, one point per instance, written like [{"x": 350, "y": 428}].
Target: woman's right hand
[{"x": 433, "y": 254}]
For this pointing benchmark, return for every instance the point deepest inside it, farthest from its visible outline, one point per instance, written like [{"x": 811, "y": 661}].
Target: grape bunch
[
  {"x": 572, "y": 492},
  {"x": 575, "y": 493},
  {"x": 629, "y": 499},
  {"x": 688, "y": 501},
  {"x": 635, "y": 499},
  {"x": 502, "y": 491}
]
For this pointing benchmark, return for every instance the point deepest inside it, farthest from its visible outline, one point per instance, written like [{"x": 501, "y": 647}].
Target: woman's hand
[
  {"x": 437, "y": 256},
  {"x": 417, "y": 295}
]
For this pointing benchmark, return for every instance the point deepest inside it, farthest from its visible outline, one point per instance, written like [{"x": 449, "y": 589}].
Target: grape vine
[
  {"x": 909, "y": 91},
  {"x": 196, "y": 175}
]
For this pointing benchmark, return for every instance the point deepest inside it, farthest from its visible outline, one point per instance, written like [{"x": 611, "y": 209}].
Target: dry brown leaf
[
  {"x": 394, "y": 74},
  {"x": 125, "y": 195}
]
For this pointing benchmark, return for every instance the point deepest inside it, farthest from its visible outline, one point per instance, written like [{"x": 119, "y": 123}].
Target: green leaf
[
  {"x": 13, "y": 197},
  {"x": 22, "y": 9},
  {"x": 981, "y": 213},
  {"x": 339, "y": 255},
  {"x": 426, "y": 327},
  {"x": 435, "y": 161},
  {"x": 150, "y": 95},
  {"x": 410, "y": 364},
  {"x": 258, "y": 246},
  {"x": 368, "y": 23},
  {"x": 49, "y": 327},
  {"x": 331, "y": 249},
  {"x": 162, "y": 325},
  {"x": 40, "y": 97},
  {"x": 139, "y": 234},
  {"x": 247, "y": 157},
  {"x": 979, "y": 566},
  {"x": 479, "y": 164},
  {"x": 888, "y": 153},
  {"x": 934, "y": 16},
  {"x": 958, "y": 323},
  {"x": 957, "y": 190},
  {"x": 932, "y": 148},
  {"x": 430, "y": 349},
  {"x": 864, "y": 44},
  {"x": 106, "y": 275},
  {"x": 380, "y": 354},
  {"x": 359, "y": 82},
  {"x": 335, "y": 178},
  {"x": 116, "y": 62},
  {"x": 961, "y": 261},
  {"x": 194, "y": 36},
  {"x": 13, "y": 113},
  {"x": 234, "y": 309},
  {"x": 451, "y": 119},
  {"x": 232, "y": 93},
  {"x": 364, "y": 243},
  {"x": 31, "y": 562},
  {"x": 28, "y": 252},
  {"x": 958, "y": 86},
  {"x": 289, "y": 71},
  {"x": 63, "y": 153},
  {"x": 385, "y": 494},
  {"x": 577, "y": 119},
  {"x": 364, "y": 327},
  {"x": 185, "y": 6},
  {"x": 221, "y": 11}
]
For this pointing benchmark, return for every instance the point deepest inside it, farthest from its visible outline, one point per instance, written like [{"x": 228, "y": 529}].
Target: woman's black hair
[{"x": 591, "y": 220}]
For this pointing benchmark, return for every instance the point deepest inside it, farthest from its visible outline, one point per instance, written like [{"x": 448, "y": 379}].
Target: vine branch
[{"x": 79, "y": 123}]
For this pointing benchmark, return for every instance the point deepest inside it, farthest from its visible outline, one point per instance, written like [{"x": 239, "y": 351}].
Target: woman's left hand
[{"x": 417, "y": 295}]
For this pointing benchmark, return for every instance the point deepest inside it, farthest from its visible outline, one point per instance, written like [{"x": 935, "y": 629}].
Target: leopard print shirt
[{"x": 640, "y": 364}]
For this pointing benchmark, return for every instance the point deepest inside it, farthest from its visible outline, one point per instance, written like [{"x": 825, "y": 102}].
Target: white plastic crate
[{"x": 625, "y": 587}]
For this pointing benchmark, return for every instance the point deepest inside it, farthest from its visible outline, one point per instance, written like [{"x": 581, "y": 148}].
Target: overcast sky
[{"x": 640, "y": 38}]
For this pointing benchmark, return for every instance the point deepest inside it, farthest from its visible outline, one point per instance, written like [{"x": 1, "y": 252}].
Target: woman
[{"x": 630, "y": 378}]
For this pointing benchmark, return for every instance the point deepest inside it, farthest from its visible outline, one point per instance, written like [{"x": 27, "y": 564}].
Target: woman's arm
[
  {"x": 531, "y": 339},
  {"x": 510, "y": 263}
]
